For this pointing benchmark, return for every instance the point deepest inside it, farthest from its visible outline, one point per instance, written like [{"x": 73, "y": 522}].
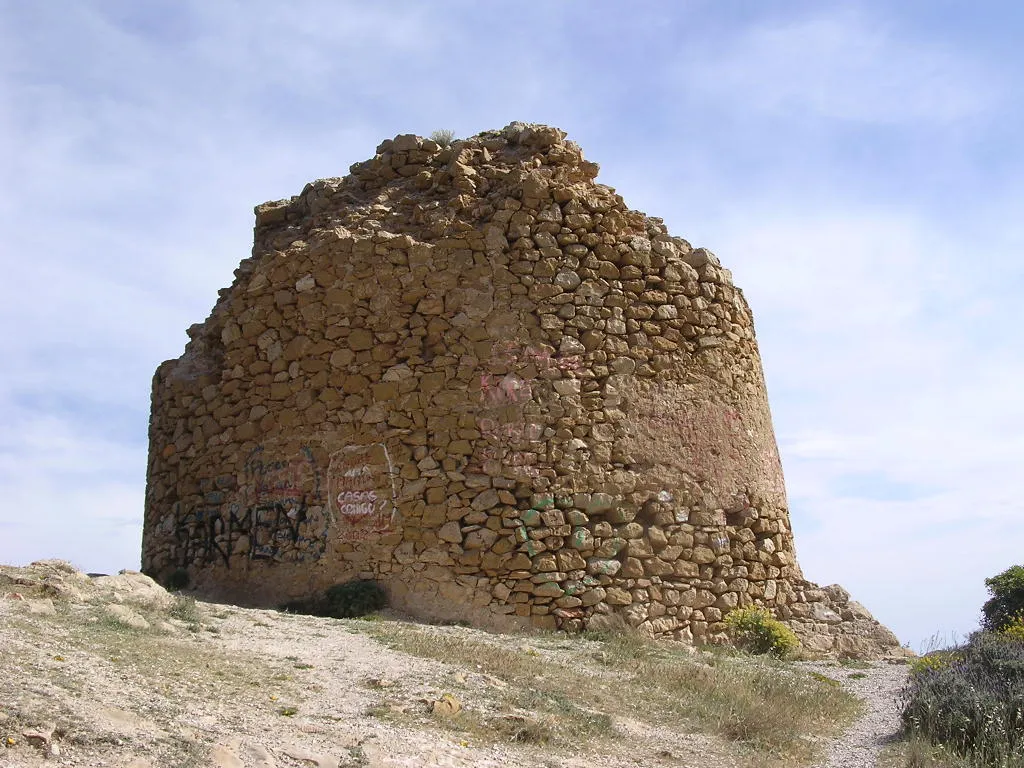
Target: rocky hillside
[{"x": 114, "y": 671}]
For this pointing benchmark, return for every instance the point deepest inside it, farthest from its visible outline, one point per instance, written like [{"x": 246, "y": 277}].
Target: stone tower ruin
[{"x": 474, "y": 375}]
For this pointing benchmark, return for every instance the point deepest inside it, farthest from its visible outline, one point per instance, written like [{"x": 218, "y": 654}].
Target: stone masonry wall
[{"x": 475, "y": 375}]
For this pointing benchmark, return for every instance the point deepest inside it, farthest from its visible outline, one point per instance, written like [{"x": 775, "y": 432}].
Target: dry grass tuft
[
  {"x": 767, "y": 706},
  {"x": 917, "y": 752}
]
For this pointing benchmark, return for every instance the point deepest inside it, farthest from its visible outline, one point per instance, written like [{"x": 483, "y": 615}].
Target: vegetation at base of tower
[
  {"x": 443, "y": 137},
  {"x": 178, "y": 580},
  {"x": 184, "y": 609},
  {"x": 355, "y": 598},
  {"x": 1015, "y": 629},
  {"x": 348, "y": 600},
  {"x": 606, "y": 696},
  {"x": 755, "y": 630},
  {"x": 567, "y": 691},
  {"x": 1007, "y": 601},
  {"x": 972, "y": 702},
  {"x": 964, "y": 706}
]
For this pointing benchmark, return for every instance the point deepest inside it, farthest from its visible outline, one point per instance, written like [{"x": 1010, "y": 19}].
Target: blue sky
[{"x": 856, "y": 164}]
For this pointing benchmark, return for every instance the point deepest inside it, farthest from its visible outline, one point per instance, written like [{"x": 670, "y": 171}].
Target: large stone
[
  {"x": 135, "y": 589},
  {"x": 618, "y": 596},
  {"x": 450, "y": 531},
  {"x": 603, "y": 567},
  {"x": 486, "y": 500},
  {"x": 360, "y": 339},
  {"x": 122, "y": 614},
  {"x": 482, "y": 538}
]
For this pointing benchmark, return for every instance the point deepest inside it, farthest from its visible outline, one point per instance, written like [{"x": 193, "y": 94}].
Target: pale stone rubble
[
  {"x": 474, "y": 374},
  {"x": 45, "y": 584}
]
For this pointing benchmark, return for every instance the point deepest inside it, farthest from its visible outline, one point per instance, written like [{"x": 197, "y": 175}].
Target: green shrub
[
  {"x": 443, "y": 137},
  {"x": 1007, "y": 601},
  {"x": 343, "y": 601},
  {"x": 355, "y": 598},
  {"x": 971, "y": 700},
  {"x": 1015, "y": 629},
  {"x": 178, "y": 580},
  {"x": 185, "y": 609},
  {"x": 932, "y": 661},
  {"x": 756, "y": 631}
]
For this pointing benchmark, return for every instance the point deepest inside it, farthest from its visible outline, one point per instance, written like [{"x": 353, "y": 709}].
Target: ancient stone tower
[{"x": 473, "y": 374}]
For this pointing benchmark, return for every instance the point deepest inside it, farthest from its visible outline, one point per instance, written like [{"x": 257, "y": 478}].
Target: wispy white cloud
[
  {"x": 69, "y": 494},
  {"x": 47, "y": 444},
  {"x": 897, "y": 430},
  {"x": 842, "y": 64}
]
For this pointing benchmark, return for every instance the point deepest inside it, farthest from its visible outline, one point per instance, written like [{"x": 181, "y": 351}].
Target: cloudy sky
[{"x": 858, "y": 165}]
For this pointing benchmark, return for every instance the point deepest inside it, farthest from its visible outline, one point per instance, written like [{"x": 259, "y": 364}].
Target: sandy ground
[
  {"x": 878, "y": 685},
  {"x": 116, "y": 672}
]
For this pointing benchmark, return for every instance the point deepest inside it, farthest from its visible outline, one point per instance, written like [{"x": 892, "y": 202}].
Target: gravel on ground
[{"x": 878, "y": 685}]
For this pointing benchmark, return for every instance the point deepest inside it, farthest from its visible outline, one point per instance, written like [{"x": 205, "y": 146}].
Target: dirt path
[
  {"x": 115, "y": 672},
  {"x": 878, "y": 686}
]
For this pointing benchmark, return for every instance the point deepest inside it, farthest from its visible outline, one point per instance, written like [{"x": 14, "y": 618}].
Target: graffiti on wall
[
  {"x": 509, "y": 443},
  {"x": 276, "y": 512},
  {"x": 516, "y": 355},
  {"x": 285, "y": 501},
  {"x": 708, "y": 441},
  {"x": 496, "y": 391},
  {"x": 361, "y": 489},
  {"x": 508, "y": 435}
]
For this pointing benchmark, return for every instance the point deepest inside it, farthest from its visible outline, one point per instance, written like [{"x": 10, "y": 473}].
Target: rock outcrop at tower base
[{"x": 475, "y": 375}]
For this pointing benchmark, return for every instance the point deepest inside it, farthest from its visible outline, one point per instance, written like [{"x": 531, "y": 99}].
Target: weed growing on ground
[
  {"x": 184, "y": 609},
  {"x": 918, "y": 752},
  {"x": 854, "y": 664},
  {"x": 443, "y": 137},
  {"x": 757, "y": 631},
  {"x": 351, "y": 599},
  {"x": 970, "y": 700},
  {"x": 826, "y": 680},
  {"x": 763, "y": 704}
]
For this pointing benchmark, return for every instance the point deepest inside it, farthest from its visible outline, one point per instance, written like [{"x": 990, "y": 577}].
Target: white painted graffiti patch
[{"x": 361, "y": 491}]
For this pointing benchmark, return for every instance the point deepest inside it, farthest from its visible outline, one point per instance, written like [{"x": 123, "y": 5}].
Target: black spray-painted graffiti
[{"x": 277, "y": 514}]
